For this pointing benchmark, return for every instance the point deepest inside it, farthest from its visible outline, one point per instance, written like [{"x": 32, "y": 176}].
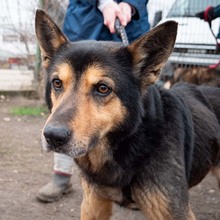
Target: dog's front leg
[
  {"x": 155, "y": 205},
  {"x": 94, "y": 207}
]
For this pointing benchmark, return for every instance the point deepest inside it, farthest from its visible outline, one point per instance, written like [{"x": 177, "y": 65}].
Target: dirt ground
[{"x": 24, "y": 169}]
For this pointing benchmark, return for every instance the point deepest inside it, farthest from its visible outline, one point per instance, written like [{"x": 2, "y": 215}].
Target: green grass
[{"x": 30, "y": 111}]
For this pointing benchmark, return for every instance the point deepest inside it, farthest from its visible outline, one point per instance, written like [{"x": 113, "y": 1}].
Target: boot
[{"x": 55, "y": 189}]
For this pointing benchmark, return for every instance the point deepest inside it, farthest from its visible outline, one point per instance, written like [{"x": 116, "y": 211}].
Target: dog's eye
[
  {"x": 57, "y": 84},
  {"x": 103, "y": 89}
]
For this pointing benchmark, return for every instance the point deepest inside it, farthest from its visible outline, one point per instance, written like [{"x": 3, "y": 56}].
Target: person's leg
[{"x": 60, "y": 183}]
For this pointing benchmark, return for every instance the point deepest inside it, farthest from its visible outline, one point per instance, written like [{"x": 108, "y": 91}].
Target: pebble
[
  {"x": 211, "y": 191},
  {"x": 7, "y": 119}
]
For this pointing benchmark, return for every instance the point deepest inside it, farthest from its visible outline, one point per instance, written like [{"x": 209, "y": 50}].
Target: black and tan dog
[{"x": 134, "y": 143}]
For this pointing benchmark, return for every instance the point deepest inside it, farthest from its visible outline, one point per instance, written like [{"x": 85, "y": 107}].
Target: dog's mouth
[{"x": 75, "y": 150}]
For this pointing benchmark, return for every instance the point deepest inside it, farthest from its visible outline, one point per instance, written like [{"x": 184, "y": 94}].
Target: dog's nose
[{"x": 57, "y": 135}]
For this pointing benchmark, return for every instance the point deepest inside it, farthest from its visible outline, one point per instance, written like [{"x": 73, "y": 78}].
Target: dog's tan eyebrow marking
[
  {"x": 95, "y": 74},
  {"x": 65, "y": 73}
]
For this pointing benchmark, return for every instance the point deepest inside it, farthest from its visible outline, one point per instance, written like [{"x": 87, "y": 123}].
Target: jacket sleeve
[
  {"x": 93, "y": 2},
  {"x": 139, "y": 6},
  {"x": 216, "y": 11}
]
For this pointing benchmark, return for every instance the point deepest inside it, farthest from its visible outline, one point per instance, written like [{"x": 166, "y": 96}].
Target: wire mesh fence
[{"x": 196, "y": 53}]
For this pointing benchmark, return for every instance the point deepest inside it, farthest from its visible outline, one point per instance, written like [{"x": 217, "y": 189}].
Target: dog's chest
[{"x": 122, "y": 197}]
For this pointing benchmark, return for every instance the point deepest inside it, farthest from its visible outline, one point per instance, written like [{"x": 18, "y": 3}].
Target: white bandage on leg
[{"x": 63, "y": 163}]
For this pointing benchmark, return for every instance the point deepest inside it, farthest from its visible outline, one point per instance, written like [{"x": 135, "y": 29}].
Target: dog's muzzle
[
  {"x": 56, "y": 136},
  {"x": 59, "y": 139}
]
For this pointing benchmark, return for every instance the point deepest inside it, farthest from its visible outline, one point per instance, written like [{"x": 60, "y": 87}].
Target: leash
[
  {"x": 217, "y": 44},
  {"x": 204, "y": 15},
  {"x": 121, "y": 32},
  {"x": 214, "y": 66}
]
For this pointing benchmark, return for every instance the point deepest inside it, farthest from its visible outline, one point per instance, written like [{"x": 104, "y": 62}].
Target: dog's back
[
  {"x": 205, "y": 95},
  {"x": 213, "y": 96},
  {"x": 203, "y": 102}
]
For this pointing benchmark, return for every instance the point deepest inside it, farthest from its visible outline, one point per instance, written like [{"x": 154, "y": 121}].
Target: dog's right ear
[
  {"x": 49, "y": 36},
  {"x": 150, "y": 52}
]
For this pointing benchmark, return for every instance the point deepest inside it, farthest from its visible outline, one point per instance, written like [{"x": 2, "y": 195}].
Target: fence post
[{"x": 37, "y": 70}]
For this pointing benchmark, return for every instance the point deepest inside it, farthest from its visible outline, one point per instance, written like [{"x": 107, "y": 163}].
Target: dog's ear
[
  {"x": 49, "y": 36},
  {"x": 151, "y": 51}
]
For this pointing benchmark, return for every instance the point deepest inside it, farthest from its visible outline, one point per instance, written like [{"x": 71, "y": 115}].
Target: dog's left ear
[
  {"x": 151, "y": 51},
  {"x": 49, "y": 36}
]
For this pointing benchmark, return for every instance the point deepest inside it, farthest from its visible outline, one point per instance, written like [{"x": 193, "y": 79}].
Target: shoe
[{"x": 54, "y": 190}]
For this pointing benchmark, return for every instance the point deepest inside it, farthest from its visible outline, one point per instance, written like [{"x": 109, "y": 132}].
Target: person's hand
[
  {"x": 126, "y": 10},
  {"x": 206, "y": 15},
  {"x": 110, "y": 12}
]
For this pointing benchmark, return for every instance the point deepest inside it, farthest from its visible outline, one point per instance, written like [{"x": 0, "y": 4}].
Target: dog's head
[{"x": 95, "y": 89}]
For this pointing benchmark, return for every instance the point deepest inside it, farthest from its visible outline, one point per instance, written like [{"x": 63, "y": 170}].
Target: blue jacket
[
  {"x": 84, "y": 21},
  {"x": 216, "y": 11}
]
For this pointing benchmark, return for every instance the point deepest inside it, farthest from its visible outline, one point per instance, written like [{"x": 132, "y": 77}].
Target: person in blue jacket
[
  {"x": 93, "y": 20},
  {"x": 209, "y": 14}
]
